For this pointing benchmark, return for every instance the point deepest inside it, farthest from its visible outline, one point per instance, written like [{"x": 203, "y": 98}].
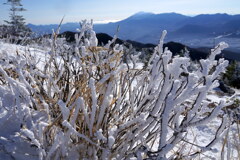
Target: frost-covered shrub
[{"x": 92, "y": 105}]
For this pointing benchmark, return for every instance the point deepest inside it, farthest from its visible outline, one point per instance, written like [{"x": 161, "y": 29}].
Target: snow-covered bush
[{"x": 84, "y": 102}]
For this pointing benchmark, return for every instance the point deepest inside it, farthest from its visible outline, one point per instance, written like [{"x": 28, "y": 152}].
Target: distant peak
[
  {"x": 142, "y": 13},
  {"x": 170, "y": 13},
  {"x": 139, "y": 14}
]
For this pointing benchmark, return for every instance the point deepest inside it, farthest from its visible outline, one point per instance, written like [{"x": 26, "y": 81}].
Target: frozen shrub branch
[{"x": 98, "y": 107}]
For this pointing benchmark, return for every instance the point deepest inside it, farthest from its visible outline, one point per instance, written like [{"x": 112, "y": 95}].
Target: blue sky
[{"x": 51, "y": 11}]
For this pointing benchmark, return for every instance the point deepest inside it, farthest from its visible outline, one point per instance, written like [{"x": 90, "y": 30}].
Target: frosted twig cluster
[{"x": 92, "y": 105}]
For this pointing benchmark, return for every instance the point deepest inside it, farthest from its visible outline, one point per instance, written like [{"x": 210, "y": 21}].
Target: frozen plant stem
[{"x": 96, "y": 104}]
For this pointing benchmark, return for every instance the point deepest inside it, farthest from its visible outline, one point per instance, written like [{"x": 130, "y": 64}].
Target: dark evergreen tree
[
  {"x": 16, "y": 23},
  {"x": 232, "y": 75}
]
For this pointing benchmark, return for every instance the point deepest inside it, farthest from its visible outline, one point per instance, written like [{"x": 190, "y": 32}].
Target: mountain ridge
[{"x": 147, "y": 27}]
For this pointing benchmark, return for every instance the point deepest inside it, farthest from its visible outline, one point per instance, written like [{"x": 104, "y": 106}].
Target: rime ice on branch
[{"x": 97, "y": 106}]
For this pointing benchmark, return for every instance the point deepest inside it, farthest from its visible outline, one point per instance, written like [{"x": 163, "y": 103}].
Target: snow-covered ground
[
  {"x": 13, "y": 146},
  {"x": 204, "y": 133}
]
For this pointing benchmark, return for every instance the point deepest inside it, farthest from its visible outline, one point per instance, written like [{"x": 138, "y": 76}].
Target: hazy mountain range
[{"x": 200, "y": 30}]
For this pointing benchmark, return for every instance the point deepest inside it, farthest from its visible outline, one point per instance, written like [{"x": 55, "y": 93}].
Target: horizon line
[{"x": 140, "y": 12}]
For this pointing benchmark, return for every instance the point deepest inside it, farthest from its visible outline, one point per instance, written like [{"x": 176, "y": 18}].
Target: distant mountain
[
  {"x": 147, "y": 27},
  {"x": 210, "y": 20},
  {"x": 143, "y": 27}
]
